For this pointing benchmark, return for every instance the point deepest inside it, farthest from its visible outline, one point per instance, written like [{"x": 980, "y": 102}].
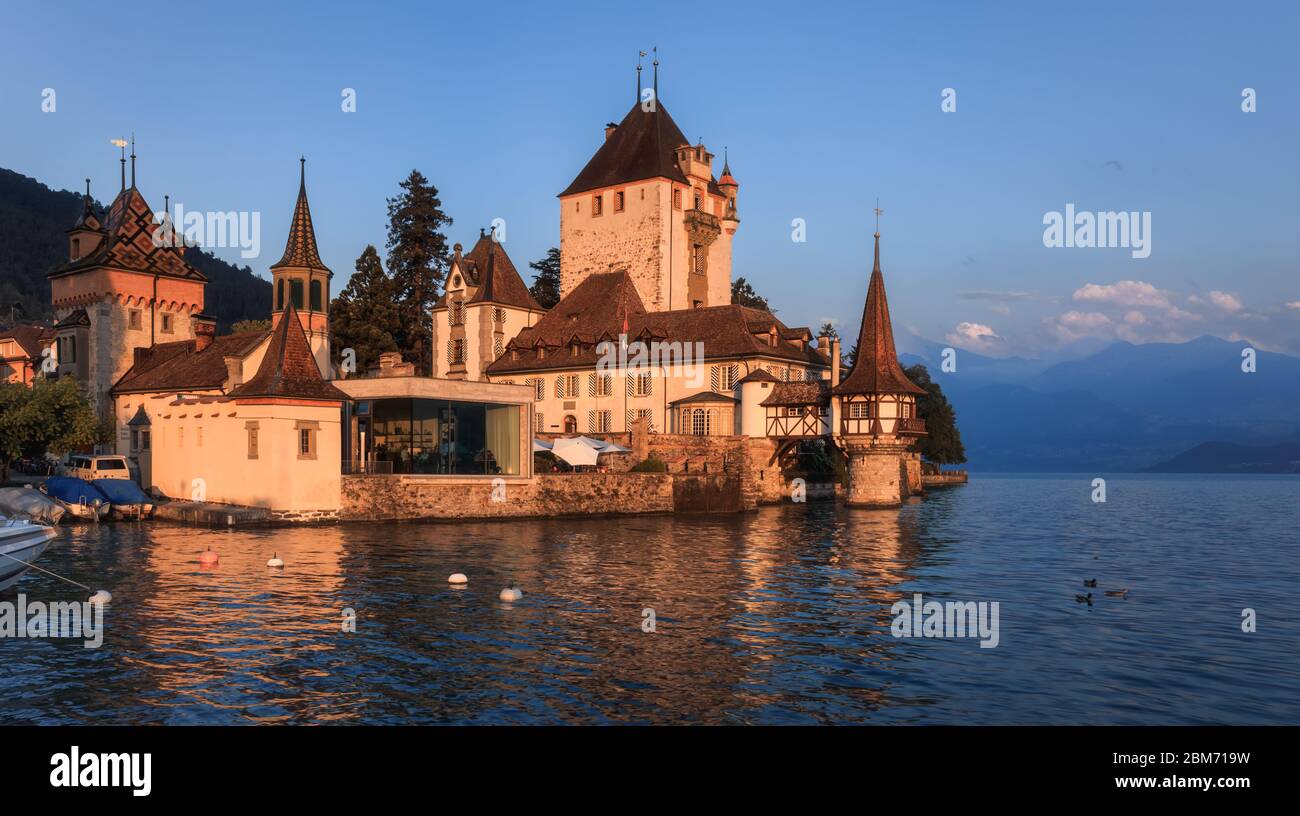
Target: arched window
[
  {"x": 316, "y": 297},
  {"x": 279, "y": 295},
  {"x": 570, "y": 424},
  {"x": 295, "y": 292}
]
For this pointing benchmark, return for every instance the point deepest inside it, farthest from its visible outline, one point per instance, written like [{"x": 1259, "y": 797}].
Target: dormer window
[
  {"x": 76, "y": 248},
  {"x": 573, "y": 350}
]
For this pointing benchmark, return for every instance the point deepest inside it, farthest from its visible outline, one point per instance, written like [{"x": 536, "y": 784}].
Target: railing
[
  {"x": 374, "y": 467},
  {"x": 910, "y": 425}
]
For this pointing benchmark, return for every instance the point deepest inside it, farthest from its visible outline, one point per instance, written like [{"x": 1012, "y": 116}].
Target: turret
[{"x": 300, "y": 277}]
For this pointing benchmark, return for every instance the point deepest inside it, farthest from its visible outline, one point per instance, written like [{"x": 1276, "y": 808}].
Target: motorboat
[
  {"x": 21, "y": 543},
  {"x": 80, "y": 498},
  {"x": 28, "y": 502},
  {"x": 128, "y": 500}
]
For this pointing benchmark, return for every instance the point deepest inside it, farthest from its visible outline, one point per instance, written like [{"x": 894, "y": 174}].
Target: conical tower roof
[
  {"x": 875, "y": 368},
  {"x": 300, "y": 250}
]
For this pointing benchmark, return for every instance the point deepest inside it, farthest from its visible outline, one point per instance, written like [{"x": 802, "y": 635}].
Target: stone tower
[
  {"x": 874, "y": 410},
  {"x": 124, "y": 286},
  {"x": 301, "y": 278},
  {"x": 647, "y": 203}
]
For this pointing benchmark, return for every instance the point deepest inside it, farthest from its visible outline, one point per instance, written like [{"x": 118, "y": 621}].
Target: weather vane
[{"x": 878, "y": 212}]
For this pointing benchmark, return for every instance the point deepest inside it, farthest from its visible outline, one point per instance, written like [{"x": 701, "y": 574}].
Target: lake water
[{"x": 779, "y": 616}]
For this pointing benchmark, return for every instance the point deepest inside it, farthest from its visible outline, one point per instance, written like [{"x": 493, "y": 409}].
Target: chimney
[
  {"x": 205, "y": 330},
  {"x": 234, "y": 372},
  {"x": 141, "y": 354},
  {"x": 609, "y": 129}
]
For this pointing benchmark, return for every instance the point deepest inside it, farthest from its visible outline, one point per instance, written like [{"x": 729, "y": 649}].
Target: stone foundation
[
  {"x": 878, "y": 470},
  {"x": 570, "y": 494}
]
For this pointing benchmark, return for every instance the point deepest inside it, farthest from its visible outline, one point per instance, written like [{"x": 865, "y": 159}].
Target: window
[
  {"x": 166, "y": 323},
  {"x": 539, "y": 386},
  {"x": 598, "y": 421},
  {"x": 498, "y": 345},
  {"x": 859, "y": 410},
  {"x": 251, "y": 427},
  {"x": 316, "y": 296},
  {"x": 570, "y": 424},
  {"x": 602, "y": 385},
  {"x": 597, "y": 206},
  {"x": 135, "y": 439},
  {"x": 677, "y": 199},
  {"x": 457, "y": 313},
  {"x": 574, "y": 349},
  {"x": 723, "y": 378},
  {"x": 306, "y": 439},
  {"x": 697, "y": 202},
  {"x": 67, "y": 350},
  {"x": 698, "y": 422},
  {"x": 498, "y": 314},
  {"x": 76, "y": 248},
  {"x": 146, "y": 440},
  {"x": 907, "y": 410},
  {"x": 456, "y": 352},
  {"x": 567, "y": 385},
  {"x": 295, "y": 293},
  {"x": 539, "y": 422},
  {"x": 642, "y": 385},
  {"x": 279, "y": 294},
  {"x": 618, "y": 201},
  {"x": 133, "y": 319}
]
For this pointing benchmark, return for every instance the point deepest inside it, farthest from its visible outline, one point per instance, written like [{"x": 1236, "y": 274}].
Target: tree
[
  {"x": 50, "y": 417},
  {"x": 250, "y": 325},
  {"x": 743, "y": 294},
  {"x": 365, "y": 316},
  {"x": 546, "y": 283},
  {"x": 828, "y": 330},
  {"x": 418, "y": 259},
  {"x": 942, "y": 442}
]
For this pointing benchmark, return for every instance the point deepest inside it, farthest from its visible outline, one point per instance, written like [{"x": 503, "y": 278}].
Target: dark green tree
[
  {"x": 942, "y": 442},
  {"x": 250, "y": 325},
  {"x": 418, "y": 258},
  {"x": 744, "y": 295},
  {"x": 828, "y": 330},
  {"x": 51, "y": 417},
  {"x": 366, "y": 316},
  {"x": 546, "y": 283}
]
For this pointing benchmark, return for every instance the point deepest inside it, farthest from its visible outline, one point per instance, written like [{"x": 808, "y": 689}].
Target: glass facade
[{"x": 441, "y": 436}]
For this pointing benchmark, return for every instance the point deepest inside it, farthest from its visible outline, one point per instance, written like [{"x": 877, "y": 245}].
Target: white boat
[{"x": 21, "y": 543}]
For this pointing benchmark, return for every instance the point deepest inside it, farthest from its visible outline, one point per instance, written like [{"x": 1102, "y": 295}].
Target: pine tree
[
  {"x": 828, "y": 330},
  {"x": 744, "y": 295},
  {"x": 546, "y": 283},
  {"x": 366, "y": 315},
  {"x": 942, "y": 442},
  {"x": 418, "y": 259}
]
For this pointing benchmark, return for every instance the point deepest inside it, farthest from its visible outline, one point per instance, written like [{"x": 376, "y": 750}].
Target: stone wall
[{"x": 570, "y": 494}]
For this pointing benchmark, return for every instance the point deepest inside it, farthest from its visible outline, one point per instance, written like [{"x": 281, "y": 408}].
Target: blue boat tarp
[
  {"x": 73, "y": 490},
  {"x": 122, "y": 491}
]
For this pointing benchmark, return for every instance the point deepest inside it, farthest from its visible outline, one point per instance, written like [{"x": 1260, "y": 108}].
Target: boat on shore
[
  {"x": 81, "y": 499},
  {"x": 28, "y": 502},
  {"x": 21, "y": 543},
  {"x": 126, "y": 497}
]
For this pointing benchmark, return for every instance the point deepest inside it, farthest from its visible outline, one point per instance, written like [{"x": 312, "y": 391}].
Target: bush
[{"x": 651, "y": 465}]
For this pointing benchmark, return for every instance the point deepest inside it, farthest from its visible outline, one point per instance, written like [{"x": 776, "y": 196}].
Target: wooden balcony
[{"x": 910, "y": 426}]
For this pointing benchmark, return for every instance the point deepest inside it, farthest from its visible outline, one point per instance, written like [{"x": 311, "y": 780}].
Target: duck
[
  {"x": 1117, "y": 593},
  {"x": 1090, "y": 582},
  {"x": 1084, "y": 598}
]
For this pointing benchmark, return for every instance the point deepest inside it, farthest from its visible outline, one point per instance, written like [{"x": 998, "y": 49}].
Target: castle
[{"x": 645, "y": 240}]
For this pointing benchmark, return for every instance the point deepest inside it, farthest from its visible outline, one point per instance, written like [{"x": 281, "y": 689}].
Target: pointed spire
[
  {"x": 656, "y": 66},
  {"x": 300, "y": 249},
  {"x": 87, "y": 188},
  {"x": 132, "y": 161},
  {"x": 875, "y": 368}
]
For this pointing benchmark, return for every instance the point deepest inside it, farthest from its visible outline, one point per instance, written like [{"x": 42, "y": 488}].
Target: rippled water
[{"x": 779, "y": 616}]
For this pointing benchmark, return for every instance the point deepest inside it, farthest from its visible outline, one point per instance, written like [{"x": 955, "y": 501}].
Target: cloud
[
  {"x": 1001, "y": 296},
  {"x": 975, "y": 337},
  {"x": 1295, "y": 304},
  {"x": 1124, "y": 293},
  {"x": 1001, "y": 308},
  {"x": 1225, "y": 301},
  {"x": 1074, "y": 325}
]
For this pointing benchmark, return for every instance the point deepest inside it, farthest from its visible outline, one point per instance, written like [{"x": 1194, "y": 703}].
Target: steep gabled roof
[
  {"x": 130, "y": 244},
  {"x": 641, "y": 147},
  {"x": 288, "y": 369},
  {"x": 300, "y": 249},
  {"x": 807, "y": 392},
  {"x": 496, "y": 277},
  {"x": 31, "y": 339},
  {"x": 875, "y": 368}
]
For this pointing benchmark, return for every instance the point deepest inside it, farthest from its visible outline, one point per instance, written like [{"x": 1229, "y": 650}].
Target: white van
[{"x": 88, "y": 467}]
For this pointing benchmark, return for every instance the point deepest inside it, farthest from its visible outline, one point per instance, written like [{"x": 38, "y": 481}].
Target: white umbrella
[
  {"x": 576, "y": 451},
  {"x": 614, "y": 447},
  {"x": 540, "y": 445}
]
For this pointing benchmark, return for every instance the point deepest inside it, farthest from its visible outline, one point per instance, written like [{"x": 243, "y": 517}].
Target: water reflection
[{"x": 781, "y": 616}]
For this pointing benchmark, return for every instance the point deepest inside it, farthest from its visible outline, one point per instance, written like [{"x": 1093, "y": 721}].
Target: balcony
[{"x": 910, "y": 426}]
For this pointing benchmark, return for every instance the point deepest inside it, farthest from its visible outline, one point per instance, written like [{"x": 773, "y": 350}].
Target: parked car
[{"x": 92, "y": 467}]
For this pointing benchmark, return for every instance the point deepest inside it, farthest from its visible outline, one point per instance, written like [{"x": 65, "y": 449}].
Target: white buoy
[
  {"x": 276, "y": 561},
  {"x": 457, "y": 578},
  {"x": 511, "y": 594},
  {"x": 103, "y": 596}
]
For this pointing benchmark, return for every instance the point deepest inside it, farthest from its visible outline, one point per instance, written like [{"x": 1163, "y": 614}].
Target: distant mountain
[
  {"x": 1229, "y": 457},
  {"x": 32, "y": 242},
  {"x": 1121, "y": 408}
]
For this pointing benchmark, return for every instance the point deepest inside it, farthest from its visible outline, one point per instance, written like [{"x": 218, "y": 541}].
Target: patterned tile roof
[
  {"x": 130, "y": 243},
  {"x": 300, "y": 249}
]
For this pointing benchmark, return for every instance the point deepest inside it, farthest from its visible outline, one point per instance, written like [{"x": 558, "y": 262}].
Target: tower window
[
  {"x": 697, "y": 202},
  {"x": 76, "y": 248},
  {"x": 166, "y": 323},
  {"x": 279, "y": 294},
  {"x": 295, "y": 292},
  {"x": 677, "y": 199},
  {"x": 133, "y": 319},
  {"x": 316, "y": 296}
]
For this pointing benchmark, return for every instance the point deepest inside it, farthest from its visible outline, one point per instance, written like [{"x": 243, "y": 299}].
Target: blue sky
[{"x": 824, "y": 107}]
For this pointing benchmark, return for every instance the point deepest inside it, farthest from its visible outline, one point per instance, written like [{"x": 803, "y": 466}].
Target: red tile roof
[
  {"x": 808, "y": 392},
  {"x": 178, "y": 367},
  {"x": 289, "y": 369},
  {"x": 641, "y": 147},
  {"x": 598, "y": 308},
  {"x": 130, "y": 243},
  {"x": 488, "y": 265},
  {"x": 31, "y": 339},
  {"x": 875, "y": 368}
]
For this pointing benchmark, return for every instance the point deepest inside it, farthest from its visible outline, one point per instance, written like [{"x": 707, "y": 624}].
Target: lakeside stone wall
[{"x": 570, "y": 494}]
